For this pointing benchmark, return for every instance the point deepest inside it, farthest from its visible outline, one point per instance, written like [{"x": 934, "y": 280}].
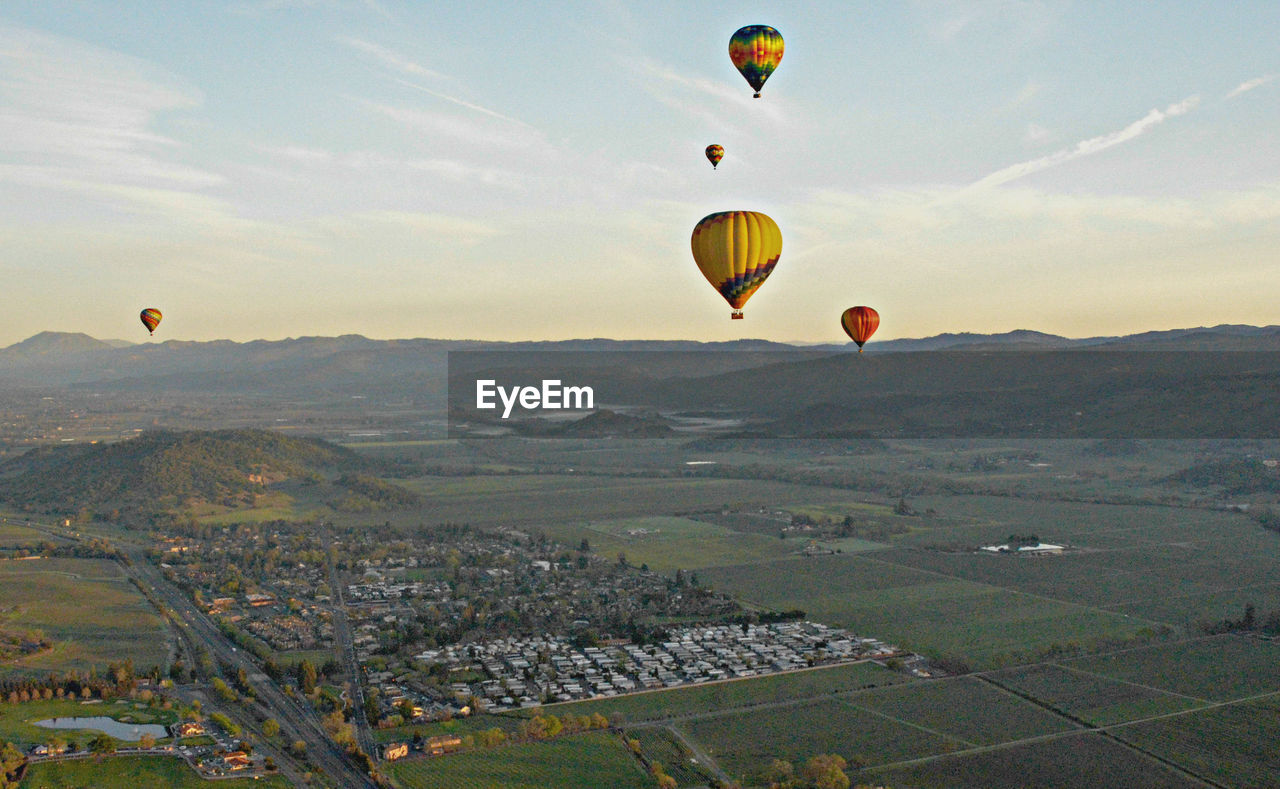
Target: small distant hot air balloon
[
  {"x": 736, "y": 251},
  {"x": 756, "y": 51},
  {"x": 860, "y": 323},
  {"x": 714, "y": 154},
  {"x": 151, "y": 319}
]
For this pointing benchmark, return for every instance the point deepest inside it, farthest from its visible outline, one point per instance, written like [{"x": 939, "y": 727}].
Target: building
[
  {"x": 187, "y": 729},
  {"x": 442, "y": 744},
  {"x": 395, "y": 750}
]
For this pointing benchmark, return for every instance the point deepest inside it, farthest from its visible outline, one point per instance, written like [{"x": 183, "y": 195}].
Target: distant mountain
[
  {"x": 163, "y": 470},
  {"x": 48, "y": 345},
  {"x": 605, "y": 423}
]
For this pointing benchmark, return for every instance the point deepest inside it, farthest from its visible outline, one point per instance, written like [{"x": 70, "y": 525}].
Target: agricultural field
[
  {"x": 584, "y": 761},
  {"x": 661, "y": 746},
  {"x": 746, "y": 742},
  {"x": 1094, "y": 699},
  {"x": 698, "y": 699},
  {"x": 668, "y": 543},
  {"x": 130, "y": 772},
  {"x": 985, "y": 625},
  {"x": 13, "y": 535},
  {"x": 1224, "y": 668},
  {"x": 963, "y": 708},
  {"x": 1066, "y": 762},
  {"x": 1233, "y": 744},
  {"x": 458, "y": 726},
  {"x": 16, "y": 720},
  {"x": 49, "y": 595}
]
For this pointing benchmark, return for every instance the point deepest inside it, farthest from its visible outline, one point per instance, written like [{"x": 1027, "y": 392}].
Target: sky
[{"x": 509, "y": 171}]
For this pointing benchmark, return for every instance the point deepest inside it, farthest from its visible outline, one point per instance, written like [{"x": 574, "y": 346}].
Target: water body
[{"x": 128, "y": 732}]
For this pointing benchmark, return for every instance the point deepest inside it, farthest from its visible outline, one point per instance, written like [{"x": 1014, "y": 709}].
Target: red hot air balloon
[
  {"x": 714, "y": 154},
  {"x": 860, "y": 323}
]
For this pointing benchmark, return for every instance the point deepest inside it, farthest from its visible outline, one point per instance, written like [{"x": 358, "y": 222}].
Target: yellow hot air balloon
[{"x": 736, "y": 251}]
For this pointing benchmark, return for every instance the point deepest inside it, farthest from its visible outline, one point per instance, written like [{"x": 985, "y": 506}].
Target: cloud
[
  {"x": 462, "y": 103},
  {"x": 1037, "y": 134},
  {"x": 1245, "y": 87},
  {"x": 388, "y": 58},
  {"x": 689, "y": 94},
  {"x": 1087, "y": 147}
]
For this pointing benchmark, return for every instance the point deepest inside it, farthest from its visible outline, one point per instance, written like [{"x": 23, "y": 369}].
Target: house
[
  {"x": 236, "y": 760},
  {"x": 187, "y": 729},
  {"x": 442, "y": 744},
  {"x": 395, "y": 750}
]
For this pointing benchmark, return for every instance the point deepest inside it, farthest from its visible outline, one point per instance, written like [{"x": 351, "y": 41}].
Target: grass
[
  {"x": 583, "y": 761},
  {"x": 1064, "y": 763},
  {"x": 50, "y": 595},
  {"x": 669, "y": 543},
  {"x": 16, "y": 720},
  {"x": 129, "y": 772},
  {"x": 697, "y": 699}
]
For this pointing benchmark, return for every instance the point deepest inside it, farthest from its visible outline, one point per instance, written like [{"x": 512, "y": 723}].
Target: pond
[{"x": 128, "y": 732}]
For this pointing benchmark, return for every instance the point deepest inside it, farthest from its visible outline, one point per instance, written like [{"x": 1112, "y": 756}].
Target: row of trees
[{"x": 119, "y": 680}]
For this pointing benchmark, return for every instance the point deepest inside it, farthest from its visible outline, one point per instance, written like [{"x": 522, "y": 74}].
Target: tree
[
  {"x": 270, "y": 727},
  {"x": 779, "y": 772},
  {"x": 11, "y": 759},
  {"x": 299, "y": 747},
  {"x": 826, "y": 772},
  {"x": 307, "y": 677},
  {"x": 102, "y": 744},
  {"x": 147, "y": 741}
]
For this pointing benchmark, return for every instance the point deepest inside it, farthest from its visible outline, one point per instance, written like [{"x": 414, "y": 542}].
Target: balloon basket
[
  {"x": 755, "y": 95},
  {"x": 736, "y": 315}
]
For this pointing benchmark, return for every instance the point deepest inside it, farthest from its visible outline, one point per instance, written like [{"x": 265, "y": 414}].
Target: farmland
[
  {"x": 1094, "y": 699},
  {"x": 661, "y": 746},
  {"x": 49, "y": 595},
  {"x": 1217, "y": 669},
  {"x": 579, "y": 762},
  {"x": 130, "y": 772}
]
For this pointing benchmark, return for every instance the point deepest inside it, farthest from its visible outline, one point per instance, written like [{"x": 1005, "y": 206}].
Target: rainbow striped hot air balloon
[
  {"x": 714, "y": 154},
  {"x": 756, "y": 50},
  {"x": 151, "y": 319},
  {"x": 860, "y": 323},
  {"x": 736, "y": 251}
]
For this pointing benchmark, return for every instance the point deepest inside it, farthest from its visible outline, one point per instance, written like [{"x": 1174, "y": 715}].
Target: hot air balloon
[
  {"x": 714, "y": 154},
  {"x": 860, "y": 323},
  {"x": 151, "y": 319},
  {"x": 736, "y": 251},
  {"x": 756, "y": 51}
]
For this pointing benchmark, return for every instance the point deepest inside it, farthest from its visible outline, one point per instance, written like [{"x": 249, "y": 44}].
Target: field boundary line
[
  {"x": 705, "y": 759},
  {"x": 1086, "y": 673},
  {"x": 895, "y": 719}
]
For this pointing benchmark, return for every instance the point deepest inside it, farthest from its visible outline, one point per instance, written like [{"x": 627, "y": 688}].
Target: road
[
  {"x": 298, "y": 720},
  {"x": 342, "y": 636}
]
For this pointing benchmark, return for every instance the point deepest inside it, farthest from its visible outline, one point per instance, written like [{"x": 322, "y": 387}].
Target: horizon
[{"x": 287, "y": 169}]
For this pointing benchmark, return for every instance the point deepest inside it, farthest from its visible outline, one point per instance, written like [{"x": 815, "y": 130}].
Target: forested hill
[{"x": 162, "y": 470}]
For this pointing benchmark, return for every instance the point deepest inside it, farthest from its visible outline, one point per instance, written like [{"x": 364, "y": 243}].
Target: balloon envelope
[
  {"x": 860, "y": 323},
  {"x": 151, "y": 318},
  {"x": 714, "y": 154},
  {"x": 736, "y": 251},
  {"x": 756, "y": 51}
]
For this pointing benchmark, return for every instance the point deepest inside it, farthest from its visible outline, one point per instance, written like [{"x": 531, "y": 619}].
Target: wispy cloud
[
  {"x": 79, "y": 113},
  {"x": 689, "y": 94},
  {"x": 461, "y": 102},
  {"x": 388, "y": 58},
  {"x": 1087, "y": 147},
  {"x": 1248, "y": 85}
]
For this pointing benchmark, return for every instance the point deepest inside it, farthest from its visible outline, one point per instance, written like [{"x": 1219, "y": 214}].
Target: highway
[{"x": 342, "y": 636}]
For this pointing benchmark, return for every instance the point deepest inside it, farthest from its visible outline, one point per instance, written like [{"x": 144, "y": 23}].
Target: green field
[
  {"x": 1235, "y": 744},
  {"x": 130, "y": 772},
  {"x": 661, "y": 746},
  {"x": 50, "y": 595},
  {"x": 16, "y": 719},
  {"x": 964, "y": 708},
  {"x": 1095, "y": 699},
  {"x": 746, "y": 742},
  {"x": 698, "y": 699},
  {"x": 584, "y": 761},
  {"x": 1066, "y": 763},
  {"x": 1218, "y": 669},
  {"x": 669, "y": 543},
  {"x": 986, "y": 625}
]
